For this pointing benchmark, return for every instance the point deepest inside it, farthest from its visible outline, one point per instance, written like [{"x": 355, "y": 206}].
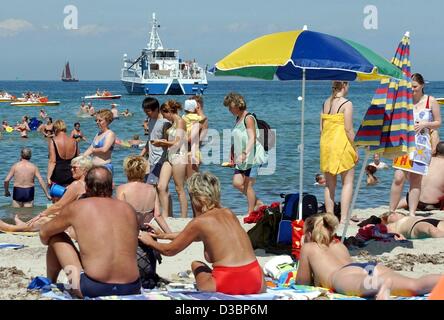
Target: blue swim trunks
[{"x": 92, "y": 288}]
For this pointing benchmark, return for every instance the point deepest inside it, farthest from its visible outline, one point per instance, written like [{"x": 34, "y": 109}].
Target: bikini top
[
  {"x": 101, "y": 142},
  {"x": 339, "y": 109}
]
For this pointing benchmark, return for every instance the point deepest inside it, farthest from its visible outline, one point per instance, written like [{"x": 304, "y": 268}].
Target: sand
[{"x": 412, "y": 258}]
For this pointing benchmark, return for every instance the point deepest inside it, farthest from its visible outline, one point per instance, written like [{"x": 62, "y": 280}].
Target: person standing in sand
[
  {"x": 427, "y": 117},
  {"x": 338, "y": 154},
  {"x": 24, "y": 172},
  {"x": 227, "y": 245},
  {"x": 326, "y": 262},
  {"x": 106, "y": 232},
  {"x": 248, "y": 153}
]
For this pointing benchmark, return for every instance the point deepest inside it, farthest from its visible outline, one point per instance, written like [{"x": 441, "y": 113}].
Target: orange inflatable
[{"x": 438, "y": 291}]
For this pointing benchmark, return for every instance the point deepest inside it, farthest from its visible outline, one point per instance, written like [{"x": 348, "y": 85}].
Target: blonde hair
[
  {"x": 106, "y": 114},
  {"x": 171, "y": 106},
  {"x": 322, "y": 227},
  {"x": 59, "y": 126},
  {"x": 235, "y": 99},
  {"x": 204, "y": 189},
  {"x": 84, "y": 162},
  {"x": 135, "y": 167},
  {"x": 336, "y": 86}
]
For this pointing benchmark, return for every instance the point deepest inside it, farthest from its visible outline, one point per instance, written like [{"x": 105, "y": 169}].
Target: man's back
[
  {"x": 24, "y": 174},
  {"x": 433, "y": 182},
  {"x": 106, "y": 231}
]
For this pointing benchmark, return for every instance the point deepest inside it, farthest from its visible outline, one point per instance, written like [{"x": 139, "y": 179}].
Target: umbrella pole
[
  {"x": 355, "y": 195},
  {"x": 301, "y": 150}
]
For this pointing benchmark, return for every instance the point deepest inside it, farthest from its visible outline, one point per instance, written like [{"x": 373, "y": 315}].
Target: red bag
[{"x": 297, "y": 233}]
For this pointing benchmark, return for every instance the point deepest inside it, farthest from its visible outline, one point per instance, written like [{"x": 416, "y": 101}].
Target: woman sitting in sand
[
  {"x": 141, "y": 196},
  {"x": 79, "y": 166},
  {"x": 226, "y": 244},
  {"x": 326, "y": 262},
  {"x": 413, "y": 227}
]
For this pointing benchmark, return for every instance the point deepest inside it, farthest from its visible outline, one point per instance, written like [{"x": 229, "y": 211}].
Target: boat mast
[{"x": 155, "y": 42}]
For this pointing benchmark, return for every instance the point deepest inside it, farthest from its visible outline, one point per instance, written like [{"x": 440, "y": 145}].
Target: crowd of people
[{"x": 86, "y": 211}]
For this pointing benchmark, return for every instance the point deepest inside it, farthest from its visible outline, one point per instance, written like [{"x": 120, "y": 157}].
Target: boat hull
[
  {"x": 70, "y": 80},
  {"x": 35, "y": 104},
  {"x": 172, "y": 87},
  {"x": 113, "y": 97}
]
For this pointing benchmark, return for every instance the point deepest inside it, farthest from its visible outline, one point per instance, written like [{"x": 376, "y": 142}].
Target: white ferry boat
[{"x": 159, "y": 71}]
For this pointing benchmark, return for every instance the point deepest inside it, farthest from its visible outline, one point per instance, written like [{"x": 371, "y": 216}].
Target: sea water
[{"x": 274, "y": 101}]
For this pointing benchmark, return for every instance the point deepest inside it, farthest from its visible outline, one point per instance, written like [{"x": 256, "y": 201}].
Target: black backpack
[{"x": 267, "y": 136}]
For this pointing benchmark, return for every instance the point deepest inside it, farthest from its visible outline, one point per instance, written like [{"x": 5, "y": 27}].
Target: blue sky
[{"x": 35, "y": 45}]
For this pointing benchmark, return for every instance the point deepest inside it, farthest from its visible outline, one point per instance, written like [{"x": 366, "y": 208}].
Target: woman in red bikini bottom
[{"x": 227, "y": 245}]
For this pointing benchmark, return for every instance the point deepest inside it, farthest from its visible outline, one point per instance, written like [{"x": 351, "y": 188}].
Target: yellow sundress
[{"x": 337, "y": 153}]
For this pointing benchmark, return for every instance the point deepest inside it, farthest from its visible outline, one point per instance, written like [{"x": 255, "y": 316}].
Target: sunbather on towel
[
  {"x": 413, "y": 227},
  {"x": 106, "y": 231},
  {"x": 227, "y": 245},
  {"x": 327, "y": 263}
]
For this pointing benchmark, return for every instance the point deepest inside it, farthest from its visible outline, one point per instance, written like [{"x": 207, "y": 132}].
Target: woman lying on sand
[
  {"x": 226, "y": 244},
  {"x": 79, "y": 167},
  {"x": 413, "y": 227},
  {"x": 326, "y": 262}
]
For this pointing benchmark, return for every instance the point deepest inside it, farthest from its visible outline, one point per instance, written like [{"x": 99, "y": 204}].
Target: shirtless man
[
  {"x": 432, "y": 185},
  {"x": 24, "y": 172},
  {"x": 106, "y": 232},
  {"x": 226, "y": 244}
]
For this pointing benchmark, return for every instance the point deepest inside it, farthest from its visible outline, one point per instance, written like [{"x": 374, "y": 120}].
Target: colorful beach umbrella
[
  {"x": 388, "y": 125},
  {"x": 305, "y": 55}
]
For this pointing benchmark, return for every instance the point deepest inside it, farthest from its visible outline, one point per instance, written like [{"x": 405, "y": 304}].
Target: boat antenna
[{"x": 155, "y": 42}]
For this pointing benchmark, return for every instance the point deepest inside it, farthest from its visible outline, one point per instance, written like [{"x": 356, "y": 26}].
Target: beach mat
[
  {"x": 22, "y": 233},
  {"x": 295, "y": 292}
]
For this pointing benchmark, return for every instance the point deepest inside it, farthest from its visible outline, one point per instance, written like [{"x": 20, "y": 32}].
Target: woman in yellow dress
[{"x": 338, "y": 155}]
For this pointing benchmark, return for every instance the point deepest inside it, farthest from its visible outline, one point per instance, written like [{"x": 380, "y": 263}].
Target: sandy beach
[{"x": 413, "y": 258}]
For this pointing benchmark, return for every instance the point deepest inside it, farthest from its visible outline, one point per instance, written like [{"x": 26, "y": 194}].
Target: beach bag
[
  {"x": 263, "y": 235},
  {"x": 147, "y": 259},
  {"x": 290, "y": 210},
  {"x": 267, "y": 136}
]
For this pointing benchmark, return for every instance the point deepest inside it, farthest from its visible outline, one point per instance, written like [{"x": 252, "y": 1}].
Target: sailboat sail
[
  {"x": 68, "y": 71},
  {"x": 66, "y": 74}
]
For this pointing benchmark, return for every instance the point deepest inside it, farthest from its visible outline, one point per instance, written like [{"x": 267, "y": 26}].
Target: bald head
[{"x": 99, "y": 182}]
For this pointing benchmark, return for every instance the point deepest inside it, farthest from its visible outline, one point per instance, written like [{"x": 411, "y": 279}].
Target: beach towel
[
  {"x": 20, "y": 233},
  {"x": 376, "y": 232},
  {"x": 11, "y": 246}
]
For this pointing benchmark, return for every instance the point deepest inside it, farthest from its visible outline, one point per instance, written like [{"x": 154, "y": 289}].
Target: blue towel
[{"x": 11, "y": 245}]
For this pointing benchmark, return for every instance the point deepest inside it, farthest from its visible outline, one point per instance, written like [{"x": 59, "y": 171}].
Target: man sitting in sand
[
  {"x": 413, "y": 227},
  {"x": 24, "y": 172},
  {"x": 227, "y": 245},
  {"x": 326, "y": 262},
  {"x": 106, "y": 231},
  {"x": 432, "y": 185}
]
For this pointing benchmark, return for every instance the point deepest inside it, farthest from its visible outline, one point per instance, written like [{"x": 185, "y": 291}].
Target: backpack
[{"x": 267, "y": 136}]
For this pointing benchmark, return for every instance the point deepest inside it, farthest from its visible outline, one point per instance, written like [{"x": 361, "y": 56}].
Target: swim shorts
[
  {"x": 92, "y": 288},
  {"x": 251, "y": 173},
  {"x": 245, "y": 279},
  {"x": 23, "y": 194}
]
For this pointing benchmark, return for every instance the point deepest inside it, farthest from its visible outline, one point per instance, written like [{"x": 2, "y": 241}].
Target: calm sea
[{"x": 273, "y": 101}]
